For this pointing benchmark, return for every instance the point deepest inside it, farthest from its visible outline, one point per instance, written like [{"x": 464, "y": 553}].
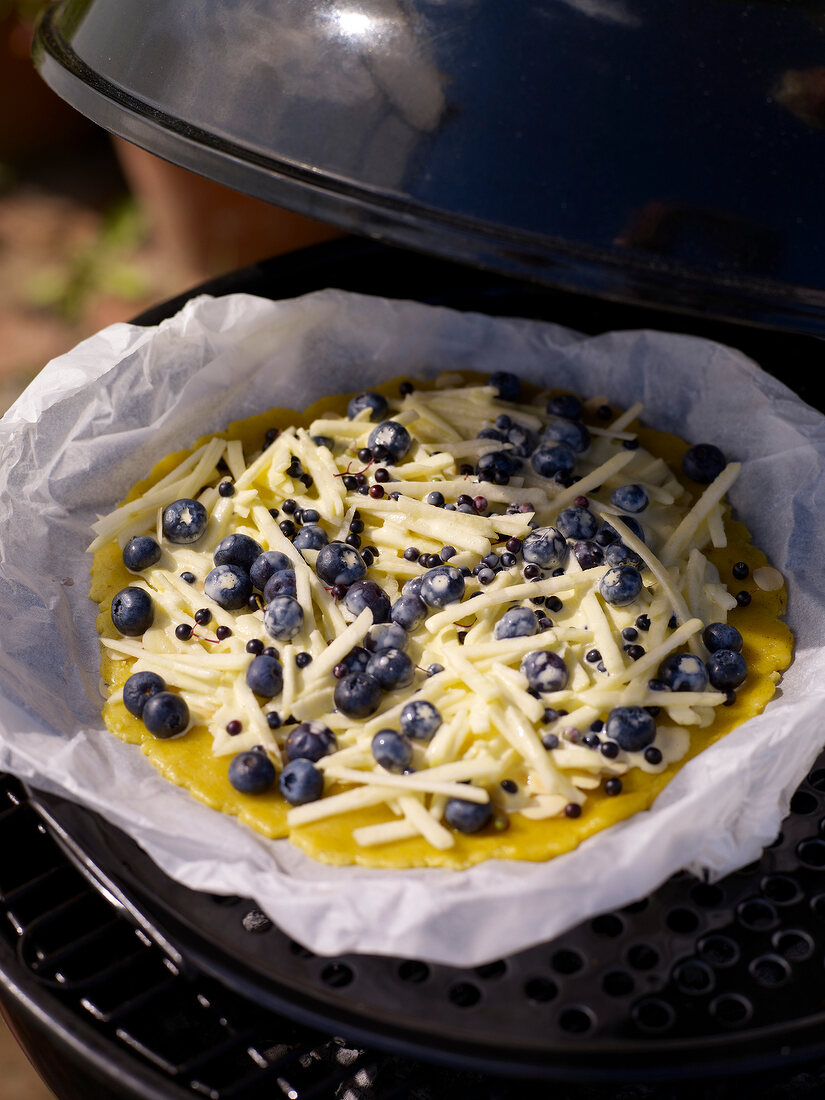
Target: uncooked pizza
[{"x": 434, "y": 623}]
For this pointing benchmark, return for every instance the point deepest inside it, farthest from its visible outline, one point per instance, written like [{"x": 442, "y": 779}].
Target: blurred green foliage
[{"x": 105, "y": 266}]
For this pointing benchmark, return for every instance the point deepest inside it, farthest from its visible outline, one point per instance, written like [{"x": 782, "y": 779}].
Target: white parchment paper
[{"x": 96, "y": 420}]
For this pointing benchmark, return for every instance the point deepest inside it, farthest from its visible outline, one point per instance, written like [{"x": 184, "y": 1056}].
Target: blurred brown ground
[{"x": 93, "y": 232}]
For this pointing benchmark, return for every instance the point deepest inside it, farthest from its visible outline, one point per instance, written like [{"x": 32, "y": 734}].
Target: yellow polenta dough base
[{"x": 188, "y": 760}]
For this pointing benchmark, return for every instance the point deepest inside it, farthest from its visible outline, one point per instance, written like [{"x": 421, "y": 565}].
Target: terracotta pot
[{"x": 207, "y": 227}]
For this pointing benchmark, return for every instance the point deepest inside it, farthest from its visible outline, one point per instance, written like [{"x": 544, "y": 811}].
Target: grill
[{"x": 121, "y": 982}]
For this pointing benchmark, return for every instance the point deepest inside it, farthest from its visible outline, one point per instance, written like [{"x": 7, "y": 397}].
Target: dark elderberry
[
  {"x": 255, "y": 645},
  {"x": 223, "y": 632},
  {"x": 412, "y": 553},
  {"x": 353, "y": 540},
  {"x": 234, "y": 727},
  {"x": 202, "y": 616},
  {"x": 513, "y": 545},
  {"x": 510, "y": 786},
  {"x": 274, "y": 513},
  {"x": 643, "y": 622},
  {"x": 273, "y": 720},
  {"x": 376, "y": 491},
  {"x": 350, "y": 483},
  {"x": 226, "y": 489},
  {"x": 629, "y": 445},
  {"x": 653, "y": 755},
  {"x": 592, "y": 656},
  {"x": 405, "y": 388},
  {"x": 183, "y": 632},
  {"x": 188, "y": 577},
  {"x": 743, "y": 598},
  {"x": 604, "y": 412},
  {"x": 609, "y": 749},
  {"x": 303, "y": 659},
  {"x": 550, "y": 741},
  {"x": 270, "y": 651},
  {"x": 613, "y": 785},
  {"x": 740, "y": 570},
  {"x": 634, "y": 652},
  {"x": 287, "y": 528},
  {"x": 572, "y": 809},
  {"x": 531, "y": 571},
  {"x": 367, "y": 558},
  {"x": 381, "y": 474},
  {"x": 365, "y": 455},
  {"x": 338, "y": 591},
  {"x": 357, "y": 526},
  {"x": 553, "y": 603}
]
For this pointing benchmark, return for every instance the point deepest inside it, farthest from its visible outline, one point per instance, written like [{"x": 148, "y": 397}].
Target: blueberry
[
  {"x": 237, "y": 550},
  {"x": 323, "y": 441},
  {"x": 545, "y": 671},
  {"x": 703, "y": 463},
  {"x": 355, "y": 661},
  {"x": 683, "y": 672},
  {"x": 140, "y": 552},
  {"x": 506, "y": 385},
  {"x": 385, "y": 636},
  {"x": 412, "y": 587},
  {"x": 518, "y": 622},
  {"x": 301, "y": 782},
  {"x": 606, "y": 535},
  {"x": 165, "y": 714},
  {"x": 467, "y": 817},
  {"x": 630, "y": 498},
  {"x": 496, "y": 467},
  {"x": 522, "y": 441},
  {"x": 420, "y": 719},
  {"x": 553, "y": 458},
  {"x": 726, "y": 669},
  {"x": 283, "y": 618},
  {"x": 632, "y": 728},
  {"x": 544, "y": 547},
  {"x": 132, "y": 611},
  {"x": 184, "y": 521},
  {"x": 621, "y": 585},
  {"x": 338, "y": 563},
  {"x": 393, "y": 437},
  {"x": 722, "y": 636},
  {"x": 392, "y": 750},
  {"x": 368, "y": 594},
  {"x": 570, "y": 432},
  {"x": 311, "y": 537},
  {"x": 267, "y": 563},
  {"x": 357, "y": 695},
  {"x": 282, "y": 583},
  {"x": 566, "y": 405},
  {"x": 436, "y": 499},
  {"x": 408, "y": 612},
  {"x": 442, "y": 585},
  {"x": 606, "y": 531},
  {"x": 310, "y": 741},
  {"x": 265, "y": 676},
  {"x": 576, "y": 522},
  {"x": 391, "y": 668},
  {"x": 138, "y": 688},
  {"x": 251, "y": 772},
  {"x": 588, "y": 554},
  {"x": 229, "y": 586},
  {"x": 375, "y": 402},
  {"x": 619, "y": 554}
]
